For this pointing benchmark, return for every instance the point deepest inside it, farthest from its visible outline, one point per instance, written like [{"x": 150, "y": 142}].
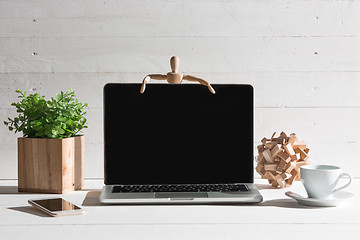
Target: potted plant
[{"x": 51, "y": 151}]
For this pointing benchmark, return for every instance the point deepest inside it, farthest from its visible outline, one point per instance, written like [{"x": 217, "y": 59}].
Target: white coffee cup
[{"x": 320, "y": 180}]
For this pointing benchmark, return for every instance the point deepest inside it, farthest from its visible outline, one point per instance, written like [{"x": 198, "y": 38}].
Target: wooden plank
[
  {"x": 182, "y": 230},
  {"x": 29, "y": 55},
  {"x": 341, "y": 121},
  {"x": 290, "y": 151},
  {"x": 276, "y": 150},
  {"x": 284, "y": 156},
  {"x": 79, "y": 164},
  {"x": 94, "y": 163},
  {"x": 38, "y": 171},
  {"x": 311, "y": 130},
  {"x": 312, "y": 90},
  {"x": 192, "y": 25},
  {"x": 153, "y": 215},
  {"x": 326, "y": 153},
  {"x": 50, "y": 165},
  {"x": 270, "y": 167},
  {"x": 260, "y": 169},
  {"x": 110, "y": 41},
  {"x": 193, "y": 18},
  {"x": 281, "y": 166},
  {"x": 267, "y": 155}
]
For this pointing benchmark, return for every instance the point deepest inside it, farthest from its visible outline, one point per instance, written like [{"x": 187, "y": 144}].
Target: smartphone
[{"x": 56, "y": 207}]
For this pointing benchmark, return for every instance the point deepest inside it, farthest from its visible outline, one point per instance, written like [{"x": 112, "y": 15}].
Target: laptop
[{"x": 178, "y": 144}]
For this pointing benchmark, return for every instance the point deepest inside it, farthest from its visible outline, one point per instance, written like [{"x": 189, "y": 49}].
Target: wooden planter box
[{"x": 50, "y": 165}]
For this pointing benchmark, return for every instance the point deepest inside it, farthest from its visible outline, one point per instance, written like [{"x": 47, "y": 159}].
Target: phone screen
[{"x": 56, "y": 204}]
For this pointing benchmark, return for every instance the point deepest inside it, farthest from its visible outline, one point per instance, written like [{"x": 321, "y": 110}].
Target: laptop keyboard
[{"x": 181, "y": 188}]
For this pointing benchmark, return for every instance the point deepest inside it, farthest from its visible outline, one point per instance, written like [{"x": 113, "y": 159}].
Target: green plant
[{"x": 59, "y": 117}]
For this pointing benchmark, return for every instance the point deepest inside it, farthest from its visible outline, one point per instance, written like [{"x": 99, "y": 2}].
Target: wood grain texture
[
  {"x": 313, "y": 128},
  {"x": 236, "y": 54},
  {"x": 21, "y": 221},
  {"x": 192, "y": 18},
  {"x": 79, "y": 162},
  {"x": 287, "y": 89},
  {"x": 185, "y": 231},
  {"x": 50, "y": 165},
  {"x": 302, "y": 57}
]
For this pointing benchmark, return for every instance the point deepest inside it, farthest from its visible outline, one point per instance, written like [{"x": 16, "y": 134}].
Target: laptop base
[{"x": 251, "y": 196}]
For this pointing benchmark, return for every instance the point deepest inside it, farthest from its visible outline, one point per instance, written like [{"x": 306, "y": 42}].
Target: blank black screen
[{"x": 178, "y": 133}]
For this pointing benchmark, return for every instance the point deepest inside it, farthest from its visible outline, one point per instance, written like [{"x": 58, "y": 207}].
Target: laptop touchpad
[{"x": 188, "y": 195}]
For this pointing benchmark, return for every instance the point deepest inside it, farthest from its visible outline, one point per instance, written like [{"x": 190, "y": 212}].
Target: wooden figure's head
[{"x": 174, "y": 63}]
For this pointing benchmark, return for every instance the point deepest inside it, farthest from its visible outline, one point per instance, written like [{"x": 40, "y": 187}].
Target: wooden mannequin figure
[{"x": 174, "y": 76}]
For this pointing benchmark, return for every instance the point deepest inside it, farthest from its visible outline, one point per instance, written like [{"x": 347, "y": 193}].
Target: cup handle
[{"x": 341, "y": 176}]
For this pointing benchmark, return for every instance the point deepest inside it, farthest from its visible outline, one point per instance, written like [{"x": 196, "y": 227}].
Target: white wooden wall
[{"x": 302, "y": 56}]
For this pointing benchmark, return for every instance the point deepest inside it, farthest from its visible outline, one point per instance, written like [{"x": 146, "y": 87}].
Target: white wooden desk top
[{"x": 276, "y": 217}]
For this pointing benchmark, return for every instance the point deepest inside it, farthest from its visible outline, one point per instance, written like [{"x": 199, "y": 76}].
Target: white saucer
[{"x": 334, "y": 201}]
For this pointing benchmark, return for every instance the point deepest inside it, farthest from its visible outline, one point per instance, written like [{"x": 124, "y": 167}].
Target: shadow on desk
[
  {"x": 264, "y": 186},
  {"x": 284, "y": 203},
  {"x": 8, "y": 190},
  {"x": 14, "y": 190},
  {"x": 30, "y": 210},
  {"x": 92, "y": 198}
]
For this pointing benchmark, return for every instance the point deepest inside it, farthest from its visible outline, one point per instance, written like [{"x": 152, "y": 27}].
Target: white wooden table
[{"x": 277, "y": 217}]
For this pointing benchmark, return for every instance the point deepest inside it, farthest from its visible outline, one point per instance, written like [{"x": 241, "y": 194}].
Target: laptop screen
[{"x": 178, "y": 134}]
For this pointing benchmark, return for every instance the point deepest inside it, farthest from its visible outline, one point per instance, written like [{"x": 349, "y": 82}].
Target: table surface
[{"x": 276, "y": 217}]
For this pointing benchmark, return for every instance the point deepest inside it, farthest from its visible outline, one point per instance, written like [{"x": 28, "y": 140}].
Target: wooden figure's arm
[
  {"x": 201, "y": 81},
  {"x": 151, "y": 76}
]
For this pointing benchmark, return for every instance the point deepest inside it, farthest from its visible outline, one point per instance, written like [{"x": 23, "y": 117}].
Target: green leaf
[
  {"x": 59, "y": 117},
  {"x": 58, "y": 97}
]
